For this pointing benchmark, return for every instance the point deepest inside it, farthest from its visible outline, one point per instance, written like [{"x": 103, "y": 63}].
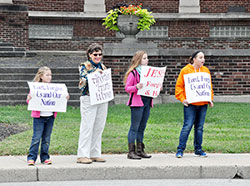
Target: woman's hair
[
  {"x": 135, "y": 62},
  {"x": 40, "y": 73},
  {"x": 93, "y": 48},
  {"x": 191, "y": 59}
]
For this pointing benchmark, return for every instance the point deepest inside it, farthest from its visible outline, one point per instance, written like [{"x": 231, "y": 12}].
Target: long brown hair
[
  {"x": 40, "y": 73},
  {"x": 135, "y": 62}
]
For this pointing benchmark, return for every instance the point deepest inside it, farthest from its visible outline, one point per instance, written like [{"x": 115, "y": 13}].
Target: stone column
[
  {"x": 94, "y": 6},
  {"x": 6, "y": 2},
  {"x": 189, "y": 6}
]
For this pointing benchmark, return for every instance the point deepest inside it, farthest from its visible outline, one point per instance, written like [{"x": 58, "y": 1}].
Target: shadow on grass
[{"x": 10, "y": 129}]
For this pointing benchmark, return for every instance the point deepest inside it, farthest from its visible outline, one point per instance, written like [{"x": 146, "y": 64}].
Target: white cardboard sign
[
  {"x": 100, "y": 87},
  {"x": 198, "y": 87},
  {"x": 48, "y": 97},
  {"x": 152, "y": 80}
]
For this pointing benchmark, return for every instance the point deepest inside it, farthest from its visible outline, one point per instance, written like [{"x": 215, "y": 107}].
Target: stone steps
[
  {"x": 29, "y": 77},
  {"x": 14, "y": 87},
  {"x": 9, "y": 50},
  {"x": 33, "y": 70},
  {"x": 18, "y": 66},
  {"x": 23, "y": 83}
]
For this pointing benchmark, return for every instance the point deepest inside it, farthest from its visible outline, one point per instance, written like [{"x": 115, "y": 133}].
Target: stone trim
[
  {"x": 6, "y": 2},
  {"x": 202, "y": 17},
  {"x": 67, "y": 15},
  {"x": 113, "y": 49},
  {"x": 189, "y": 6},
  {"x": 207, "y": 52},
  {"x": 93, "y": 6},
  {"x": 157, "y": 16}
]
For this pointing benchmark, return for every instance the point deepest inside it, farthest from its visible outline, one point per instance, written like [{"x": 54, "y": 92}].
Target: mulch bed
[{"x": 10, "y": 129}]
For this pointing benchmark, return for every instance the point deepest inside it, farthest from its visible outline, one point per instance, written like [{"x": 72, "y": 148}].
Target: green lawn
[{"x": 227, "y": 129}]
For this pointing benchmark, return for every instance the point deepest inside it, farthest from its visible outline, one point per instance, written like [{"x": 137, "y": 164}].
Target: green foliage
[
  {"x": 110, "y": 21},
  {"x": 146, "y": 19}
]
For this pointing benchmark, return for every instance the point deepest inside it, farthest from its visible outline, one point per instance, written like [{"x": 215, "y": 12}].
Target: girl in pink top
[
  {"x": 42, "y": 124},
  {"x": 139, "y": 106}
]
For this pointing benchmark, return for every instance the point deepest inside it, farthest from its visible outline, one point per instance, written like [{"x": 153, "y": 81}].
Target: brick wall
[
  {"x": 182, "y": 34},
  {"x": 156, "y": 6},
  {"x": 230, "y": 75},
  {"x": 52, "y": 5},
  {"x": 14, "y": 27},
  {"x": 221, "y": 6}
]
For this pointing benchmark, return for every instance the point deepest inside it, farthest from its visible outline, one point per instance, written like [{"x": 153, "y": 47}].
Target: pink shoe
[
  {"x": 47, "y": 162},
  {"x": 31, "y": 163}
]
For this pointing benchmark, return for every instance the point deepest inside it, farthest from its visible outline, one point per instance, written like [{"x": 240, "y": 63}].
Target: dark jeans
[
  {"x": 139, "y": 118},
  {"x": 193, "y": 115},
  {"x": 42, "y": 129}
]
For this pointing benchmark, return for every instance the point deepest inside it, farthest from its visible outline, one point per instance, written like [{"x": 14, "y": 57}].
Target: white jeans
[{"x": 93, "y": 119}]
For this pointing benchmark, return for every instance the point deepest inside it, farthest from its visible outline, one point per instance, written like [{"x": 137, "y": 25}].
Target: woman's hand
[
  {"x": 185, "y": 103},
  {"x": 67, "y": 97},
  {"x": 139, "y": 86},
  {"x": 99, "y": 70},
  {"x": 211, "y": 104},
  {"x": 29, "y": 97}
]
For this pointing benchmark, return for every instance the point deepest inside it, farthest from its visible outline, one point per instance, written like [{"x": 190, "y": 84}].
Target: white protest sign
[
  {"x": 198, "y": 87},
  {"x": 152, "y": 80},
  {"x": 48, "y": 97},
  {"x": 100, "y": 87}
]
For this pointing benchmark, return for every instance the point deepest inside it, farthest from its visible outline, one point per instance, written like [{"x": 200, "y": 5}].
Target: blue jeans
[
  {"x": 42, "y": 129},
  {"x": 193, "y": 115},
  {"x": 139, "y": 118}
]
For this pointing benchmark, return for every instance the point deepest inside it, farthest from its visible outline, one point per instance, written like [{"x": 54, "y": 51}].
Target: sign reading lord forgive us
[
  {"x": 198, "y": 87},
  {"x": 100, "y": 87},
  {"x": 48, "y": 97}
]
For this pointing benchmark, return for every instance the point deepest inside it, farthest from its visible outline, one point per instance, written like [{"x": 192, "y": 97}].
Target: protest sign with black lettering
[
  {"x": 152, "y": 80},
  {"x": 100, "y": 87},
  {"x": 198, "y": 87},
  {"x": 48, "y": 97}
]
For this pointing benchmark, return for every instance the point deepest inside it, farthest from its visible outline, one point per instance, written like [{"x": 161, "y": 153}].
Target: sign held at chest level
[
  {"x": 48, "y": 97},
  {"x": 152, "y": 80}
]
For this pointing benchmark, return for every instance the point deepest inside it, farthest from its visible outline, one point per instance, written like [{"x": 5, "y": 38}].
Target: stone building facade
[{"x": 220, "y": 28}]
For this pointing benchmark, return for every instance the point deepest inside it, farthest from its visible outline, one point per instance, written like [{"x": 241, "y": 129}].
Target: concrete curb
[{"x": 160, "y": 166}]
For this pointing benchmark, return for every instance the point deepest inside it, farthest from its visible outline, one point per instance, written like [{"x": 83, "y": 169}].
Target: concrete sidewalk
[{"x": 160, "y": 166}]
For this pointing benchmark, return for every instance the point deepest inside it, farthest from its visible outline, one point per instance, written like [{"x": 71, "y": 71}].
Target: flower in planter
[{"x": 146, "y": 19}]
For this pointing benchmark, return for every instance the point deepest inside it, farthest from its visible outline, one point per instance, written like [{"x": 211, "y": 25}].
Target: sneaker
[
  {"x": 84, "y": 160},
  {"x": 47, "y": 162},
  {"x": 101, "y": 160},
  {"x": 31, "y": 162},
  {"x": 179, "y": 154},
  {"x": 200, "y": 153}
]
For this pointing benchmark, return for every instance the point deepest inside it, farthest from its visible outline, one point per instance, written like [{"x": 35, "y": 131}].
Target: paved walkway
[{"x": 160, "y": 166}]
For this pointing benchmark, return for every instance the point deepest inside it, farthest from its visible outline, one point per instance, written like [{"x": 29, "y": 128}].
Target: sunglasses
[{"x": 97, "y": 55}]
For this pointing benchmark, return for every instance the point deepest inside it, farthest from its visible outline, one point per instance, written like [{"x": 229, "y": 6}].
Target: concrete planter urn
[{"x": 128, "y": 26}]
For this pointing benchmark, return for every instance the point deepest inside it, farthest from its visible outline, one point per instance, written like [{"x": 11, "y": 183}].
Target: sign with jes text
[{"x": 152, "y": 80}]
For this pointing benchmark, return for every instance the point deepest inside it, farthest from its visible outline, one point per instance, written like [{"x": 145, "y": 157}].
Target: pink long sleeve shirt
[{"x": 130, "y": 87}]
